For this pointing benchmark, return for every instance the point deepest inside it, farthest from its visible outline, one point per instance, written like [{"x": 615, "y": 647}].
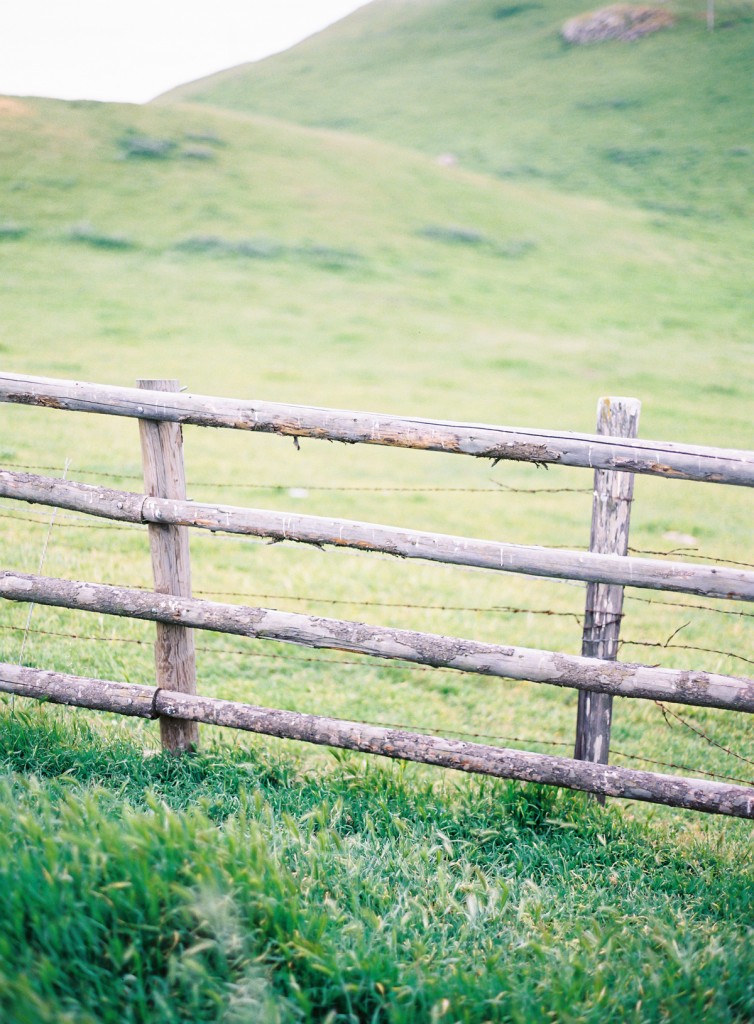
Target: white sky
[{"x": 131, "y": 50}]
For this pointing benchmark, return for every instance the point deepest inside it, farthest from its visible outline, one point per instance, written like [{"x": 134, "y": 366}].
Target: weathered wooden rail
[
  {"x": 164, "y": 510},
  {"x": 706, "y": 689},
  {"x": 592, "y": 451},
  {"x": 557, "y": 563},
  {"x": 606, "y": 780}
]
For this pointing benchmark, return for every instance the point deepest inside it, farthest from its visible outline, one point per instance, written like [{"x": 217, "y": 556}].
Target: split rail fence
[{"x": 614, "y": 453}]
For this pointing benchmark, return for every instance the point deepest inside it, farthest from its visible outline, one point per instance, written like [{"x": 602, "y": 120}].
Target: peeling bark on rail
[
  {"x": 79, "y": 691},
  {"x": 704, "y": 689},
  {"x": 104, "y": 502},
  {"x": 476, "y": 758},
  {"x": 658, "y": 458},
  {"x": 652, "y": 574}
]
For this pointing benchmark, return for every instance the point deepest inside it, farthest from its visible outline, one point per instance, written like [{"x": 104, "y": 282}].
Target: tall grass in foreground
[{"x": 233, "y": 886}]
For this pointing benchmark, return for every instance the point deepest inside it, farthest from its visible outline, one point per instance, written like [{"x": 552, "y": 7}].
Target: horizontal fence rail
[
  {"x": 161, "y": 408},
  {"x": 477, "y": 758},
  {"x": 585, "y": 566},
  {"x": 593, "y": 451},
  {"x": 705, "y": 689}
]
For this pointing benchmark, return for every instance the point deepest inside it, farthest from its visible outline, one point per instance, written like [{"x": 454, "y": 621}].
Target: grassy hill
[
  {"x": 287, "y": 248},
  {"x": 257, "y": 258},
  {"x": 663, "y": 123}
]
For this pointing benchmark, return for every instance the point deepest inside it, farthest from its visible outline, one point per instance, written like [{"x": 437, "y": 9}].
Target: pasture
[{"x": 262, "y": 880}]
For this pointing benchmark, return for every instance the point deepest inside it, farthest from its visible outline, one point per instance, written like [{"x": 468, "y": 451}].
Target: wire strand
[
  {"x": 669, "y": 713},
  {"x": 65, "y": 521},
  {"x": 690, "y": 553},
  {"x": 684, "y": 647},
  {"x": 39, "y": 571},
  {"x": 497, "y": 487},
  {"x": 691, "y": 607},
  {"x": 510, "y": 609}
]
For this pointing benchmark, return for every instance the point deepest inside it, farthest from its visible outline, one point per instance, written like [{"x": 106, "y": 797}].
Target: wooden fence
[{"x": 614, "y": 453}]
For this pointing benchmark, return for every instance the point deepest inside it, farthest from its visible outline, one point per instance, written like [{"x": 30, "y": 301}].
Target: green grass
[
  {"x": 236, "y": 885},
  {"x": 595, "y": 299},
  {"x": 659, "y": 123},
  {"x": 304, "y": 264}
]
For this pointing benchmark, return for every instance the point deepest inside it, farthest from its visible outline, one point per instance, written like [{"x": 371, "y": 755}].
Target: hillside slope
[
  {"x": 290, "y": 251},
  {"x": 664, "y": 122}
]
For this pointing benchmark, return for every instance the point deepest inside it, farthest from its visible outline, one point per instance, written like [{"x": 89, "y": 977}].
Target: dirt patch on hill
[
  {"x": 13, "y": 108},
  {"x": 626, "y": 22}
]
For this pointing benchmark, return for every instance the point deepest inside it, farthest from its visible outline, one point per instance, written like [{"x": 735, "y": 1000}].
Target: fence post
[
  {"x": 164, "y": 477},
  {"x": 611, "y": 512}
]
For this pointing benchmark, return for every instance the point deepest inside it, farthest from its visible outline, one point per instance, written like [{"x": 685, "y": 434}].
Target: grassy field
[
  {"x": 656, "y": 124},
  {"x": 299, "y": 263},
  {"x": 240, "y": 886}
]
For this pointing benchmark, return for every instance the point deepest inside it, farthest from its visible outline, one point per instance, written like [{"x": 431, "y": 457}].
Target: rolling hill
[
  {"x": 663, "y": 123},
  {"x": 147, "y": 227}
]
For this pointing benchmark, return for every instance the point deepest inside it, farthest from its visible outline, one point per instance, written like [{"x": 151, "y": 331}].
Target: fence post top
[{"x": 619, "y": 400}]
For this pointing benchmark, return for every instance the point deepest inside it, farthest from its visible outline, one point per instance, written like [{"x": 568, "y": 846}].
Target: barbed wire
[
  {"x": 77, "y": 521},
  {"x": 392, "y": 604},
  {"x": 66, "y": 521},
  {"x": 493, "y": 609},
  {"x": 495, "y": 489},
  {"x": 80, "y": 636},
  {"x": 82, "y": 521},
  {"x": 235, "y": 651},
  {"x": 681, "y": 767},
  {"x": 666, "y": 711},
  {"x": 529, "y": 741},
  {"x": 691, "y": 607},
  {"x": 684, "y": 647},
  {"x": 691, "y": 553},
  {"x": 367, "y": 662},
  {"x": 80, "y": 470},
  {"x": 669, "y": 713}
]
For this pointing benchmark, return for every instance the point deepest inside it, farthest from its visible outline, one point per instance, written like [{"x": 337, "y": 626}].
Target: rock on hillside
[{"x": 619, "y": 21}]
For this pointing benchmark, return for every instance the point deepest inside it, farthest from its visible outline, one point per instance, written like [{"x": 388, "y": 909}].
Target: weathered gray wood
[
  {"x": 164, "y": 477},
  {"x": 659, "y": 458},
  {"x": 103, "y": 502},
  {"x": 705, "y": 689},
  {"x": 59, "y": 688},
  {"x": 611, "y": 513},
  {"x": 654, "y": 574},
  {"x": 694, "y": 794},
  {"x": 148, "y": 701}
]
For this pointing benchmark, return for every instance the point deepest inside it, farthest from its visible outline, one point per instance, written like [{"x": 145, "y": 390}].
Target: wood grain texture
[
  {"x": 611, "y": 514},
  {"x": 654, "y": 574},
  {"x": 704, "y": 689},
  {"x": 543, "y": 447},
  {"x": 164, "y": 477}
]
